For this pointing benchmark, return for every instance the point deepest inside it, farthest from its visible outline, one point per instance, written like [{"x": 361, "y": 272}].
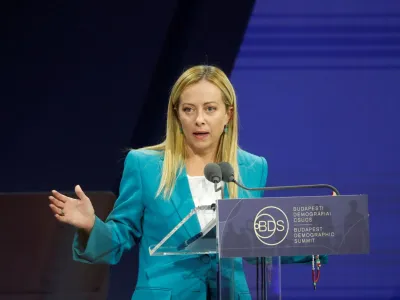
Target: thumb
[
  {"x": 80, "y": 193},
  {"x": 334, "y": 194}
]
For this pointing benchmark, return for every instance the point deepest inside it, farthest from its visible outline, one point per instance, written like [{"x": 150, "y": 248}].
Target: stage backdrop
[{"x": 318, "y": 93}]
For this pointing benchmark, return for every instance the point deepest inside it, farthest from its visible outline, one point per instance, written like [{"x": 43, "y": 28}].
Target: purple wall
[{"x": 317, "y": 86}]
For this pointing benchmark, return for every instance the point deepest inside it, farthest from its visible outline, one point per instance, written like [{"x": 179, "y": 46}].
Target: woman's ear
[{"x": 229, "y": 113}]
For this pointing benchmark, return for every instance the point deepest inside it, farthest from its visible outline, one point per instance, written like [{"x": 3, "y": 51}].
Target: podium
[{"x": 248, "y": 239}]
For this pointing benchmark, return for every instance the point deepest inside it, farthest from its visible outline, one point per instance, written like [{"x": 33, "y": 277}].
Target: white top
[{"x": 203, "y": 193}]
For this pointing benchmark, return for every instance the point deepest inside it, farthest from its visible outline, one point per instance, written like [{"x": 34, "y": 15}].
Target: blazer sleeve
[{"x": 122, "y": 229}]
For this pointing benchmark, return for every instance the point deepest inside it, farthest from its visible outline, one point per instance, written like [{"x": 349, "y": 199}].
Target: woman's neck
[{"x": 196, "y": 162}]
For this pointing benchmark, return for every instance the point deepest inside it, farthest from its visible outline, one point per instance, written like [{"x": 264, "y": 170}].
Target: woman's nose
[{"x": 200, "y": 118}]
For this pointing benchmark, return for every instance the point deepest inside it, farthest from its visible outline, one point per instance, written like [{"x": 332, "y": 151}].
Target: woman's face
[{"x": 203, "y": 115}]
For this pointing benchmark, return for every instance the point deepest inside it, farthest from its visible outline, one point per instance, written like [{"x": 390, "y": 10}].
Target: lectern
[{"x": 249, "y": 237}]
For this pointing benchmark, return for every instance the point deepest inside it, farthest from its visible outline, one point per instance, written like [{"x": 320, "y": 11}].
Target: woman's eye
[
  {"x": 211, "y": 108},
  {"x": 187, "y": 109}
]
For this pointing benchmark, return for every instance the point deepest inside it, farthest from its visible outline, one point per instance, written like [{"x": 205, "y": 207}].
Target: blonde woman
[{"x": 161, "y": 184}]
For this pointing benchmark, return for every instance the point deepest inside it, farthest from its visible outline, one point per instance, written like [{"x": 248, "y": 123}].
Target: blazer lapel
[{"x": 182, "y": 200}]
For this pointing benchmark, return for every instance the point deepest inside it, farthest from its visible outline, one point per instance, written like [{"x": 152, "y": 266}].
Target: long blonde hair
[{"x": 173, "y": 145}]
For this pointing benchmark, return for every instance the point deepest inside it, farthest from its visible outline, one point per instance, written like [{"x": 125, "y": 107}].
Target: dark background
[{"x": 317, "y": 85}]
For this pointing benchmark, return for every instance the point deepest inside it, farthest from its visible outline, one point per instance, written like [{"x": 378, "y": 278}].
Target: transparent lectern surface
[{"x": 202, "y": 241}]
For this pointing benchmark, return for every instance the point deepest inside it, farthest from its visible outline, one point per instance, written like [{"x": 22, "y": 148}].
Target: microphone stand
[
  {"x": 219, "y": 189},
  {"x": 218, "y": 268}
]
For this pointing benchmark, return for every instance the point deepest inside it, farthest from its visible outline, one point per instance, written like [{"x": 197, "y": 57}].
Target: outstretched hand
[{"x": 77, "y": 212}]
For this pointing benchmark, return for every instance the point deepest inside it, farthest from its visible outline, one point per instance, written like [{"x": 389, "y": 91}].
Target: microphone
[
  {"x": 228, "y": 175},
  {"x": 213, "y": 172}
]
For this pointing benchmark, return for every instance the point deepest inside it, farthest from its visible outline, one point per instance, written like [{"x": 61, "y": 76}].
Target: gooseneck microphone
[
  {"x": 213, "y": 173},
  {"x": 228, "y": 175}
]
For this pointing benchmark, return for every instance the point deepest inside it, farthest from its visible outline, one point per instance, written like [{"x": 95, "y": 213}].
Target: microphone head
[
  {"x": 228, "y": 174},
  {"x": 213, "y": 172}
]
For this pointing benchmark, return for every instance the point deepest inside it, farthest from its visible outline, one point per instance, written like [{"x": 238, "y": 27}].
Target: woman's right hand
[{"x": 76, "y": 212}]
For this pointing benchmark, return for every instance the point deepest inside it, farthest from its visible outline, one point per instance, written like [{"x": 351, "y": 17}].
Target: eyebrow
[{"x": 209, "y": 102}]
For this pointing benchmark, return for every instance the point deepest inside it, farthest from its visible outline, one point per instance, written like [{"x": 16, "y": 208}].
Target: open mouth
[{"x": 201, "y": 134}]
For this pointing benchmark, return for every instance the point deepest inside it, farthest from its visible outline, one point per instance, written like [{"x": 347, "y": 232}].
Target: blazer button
[{"x": 205, "y": 258}]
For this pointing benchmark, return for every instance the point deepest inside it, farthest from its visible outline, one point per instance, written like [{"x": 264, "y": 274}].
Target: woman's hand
[{"x": 76, "y": 212}]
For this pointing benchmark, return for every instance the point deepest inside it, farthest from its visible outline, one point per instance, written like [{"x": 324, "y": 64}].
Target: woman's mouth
[{"x": 201, "y": 135}]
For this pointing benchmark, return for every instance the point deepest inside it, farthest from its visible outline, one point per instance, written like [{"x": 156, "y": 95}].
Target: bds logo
[{"x": 271, "y": 226}]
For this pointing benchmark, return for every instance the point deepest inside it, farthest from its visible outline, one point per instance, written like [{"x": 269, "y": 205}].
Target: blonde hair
[{"x": 173, "y": 145}]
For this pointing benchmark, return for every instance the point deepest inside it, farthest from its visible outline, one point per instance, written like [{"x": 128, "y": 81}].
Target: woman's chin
[{"x": 201, "y": 146}]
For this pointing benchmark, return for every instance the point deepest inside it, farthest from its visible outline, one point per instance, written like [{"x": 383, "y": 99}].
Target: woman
[{"x": 161, "y": 184}]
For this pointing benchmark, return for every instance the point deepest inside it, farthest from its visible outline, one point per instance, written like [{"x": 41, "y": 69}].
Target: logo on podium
[{"x": 271, "y": 225}]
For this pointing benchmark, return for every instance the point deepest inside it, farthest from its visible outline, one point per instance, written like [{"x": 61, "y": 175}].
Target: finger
[
  {"x": 56, "y": 209},
  {"x": 56, "y": 202},
  {"x": 59, "y": 196},
  {"x": 80, "y": 193},
  {"x": 61, "y": 218},
  {"x": 334, "y": 194}
]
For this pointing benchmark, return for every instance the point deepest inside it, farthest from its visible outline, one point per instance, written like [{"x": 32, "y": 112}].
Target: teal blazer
[{"x": 138, "y": 218}]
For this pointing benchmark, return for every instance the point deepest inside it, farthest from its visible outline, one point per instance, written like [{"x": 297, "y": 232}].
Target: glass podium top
[{"x": 202, "y": 242}]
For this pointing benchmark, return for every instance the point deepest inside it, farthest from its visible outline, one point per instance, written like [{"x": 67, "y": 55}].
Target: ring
[{"x": 62, "y": 212}]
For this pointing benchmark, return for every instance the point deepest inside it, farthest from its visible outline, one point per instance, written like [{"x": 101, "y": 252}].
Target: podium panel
[{"x": 293, "y": 226}]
